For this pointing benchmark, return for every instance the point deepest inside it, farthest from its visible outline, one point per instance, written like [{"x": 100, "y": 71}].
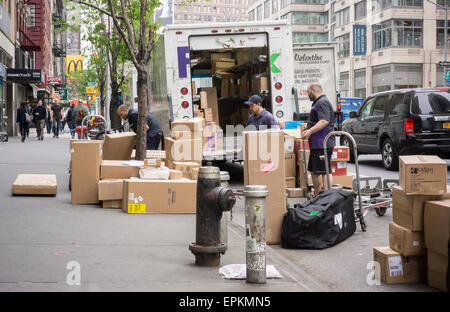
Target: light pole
[{"x": 445, "y": 39}]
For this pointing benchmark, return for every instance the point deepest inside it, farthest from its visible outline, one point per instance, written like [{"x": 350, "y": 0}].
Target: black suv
[{"x": 401, "y": 122}]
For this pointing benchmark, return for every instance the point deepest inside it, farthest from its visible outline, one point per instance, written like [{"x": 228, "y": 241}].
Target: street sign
[
  {"x": 91, "y": 83},
  {"x": 90, "y": 91},
  {"x": 446, "y": 64}
]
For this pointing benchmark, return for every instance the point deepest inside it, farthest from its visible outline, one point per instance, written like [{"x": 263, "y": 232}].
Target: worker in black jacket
[{"x": 154, "y": 132}]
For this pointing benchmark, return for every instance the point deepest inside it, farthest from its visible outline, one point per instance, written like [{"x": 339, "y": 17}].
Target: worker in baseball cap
[{"x": 260, "y": 117}]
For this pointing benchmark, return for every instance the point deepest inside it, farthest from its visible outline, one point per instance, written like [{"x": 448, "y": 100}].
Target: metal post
[
  {"x": 255, "y": 227},
  {"x": 226, "y": 215}
]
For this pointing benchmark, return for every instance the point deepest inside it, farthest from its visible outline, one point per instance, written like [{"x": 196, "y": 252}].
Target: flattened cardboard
[
  {"x": 438, "y": 271},
  {"x": 110, "y": 189},
  {"x": 119, "y": 146},
  {"x": 86, "y": 159},
  {"x": 437, "y": 226},
  {"x": 407, "y": 210},
  {"x": 405, "y": 241},
  {"x": 423, "y": 175},
  {"x": 162, "y": 196},
  {"x": 35, "y": 184},
  {"x": 398, "y": 269},
  {"x": 116, "y": 169}
]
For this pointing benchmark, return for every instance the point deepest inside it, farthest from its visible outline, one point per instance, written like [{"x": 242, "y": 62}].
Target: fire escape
[
  {"x": 59, "y": 41},
  {"x": 26, "y": 43}
]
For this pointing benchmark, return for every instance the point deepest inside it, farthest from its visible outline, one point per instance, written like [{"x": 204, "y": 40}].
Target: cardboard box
[
  {"x": 339, "y": 168},
  {"x": 290, "y": 182},
  {"x": 185, "y": 168},
  {"x": 405, "y": 241},
  {"x": 195, "y": 173},
  {"x": 152, "y": 163},
  {"x": 437, "y": 226},
  {"x": 117, "y": 169},
  {"x": 243, "y": 56},
  {"x": 203, "y": 99},
  {"x": 194, "y": 89},
  {"x": 117, "y": 204},
  {"x": 162, "y": 196},
  {"x": 183, "y": 150},
  {"x": 152, "y": 154},
  {"x": 340, "y": 153},
  {"x": 438, "y": 270},
  {"x": 212, "y": 102},
  {"x": 423, "y": 175},
  {"x": 345, "y": 180},
  {"x": 396, "y": 269},
  {"x": 260, "y": 84},
  {"x": 199, "y": 113},
  {"x": 215, "y": 57},
  {"x": 86, "y": 158},
  {"x": 295, "y": 192},
  {"x": 407, "y": 210},
  {"x": 243, "y": 85},
  {"x": 264, "y": 165},
  {"x": 35, "y": 184},
  {"x": 175, "y": 175},
  {"x": 119, "y": 146},
  {"x": 224, "y": 87},
  {"x": 290, "y": 165},
  {"x": 110, "y": 189},
  {"x": 186, "y": 135},
  {"x": 188, "y": 124},
  {"x": 208, "y": 115}
]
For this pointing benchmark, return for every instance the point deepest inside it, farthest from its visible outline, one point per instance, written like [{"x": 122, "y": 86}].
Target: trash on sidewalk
[
  {"x": 239, "y": 271},
  {"x": 35, "y": 184}
]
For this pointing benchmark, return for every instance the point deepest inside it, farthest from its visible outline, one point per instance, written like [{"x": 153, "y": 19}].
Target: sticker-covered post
[{"x": 255, "y": 228}]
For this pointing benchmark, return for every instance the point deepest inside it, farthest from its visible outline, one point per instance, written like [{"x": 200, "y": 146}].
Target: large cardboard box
[
  {"x": 290, "y": 182},
  {"x": 160, "y": 196},
  {"x": 212, "y": 102},
  {"x": 119, "y": 146},
  {"x": 340, "y": 153},
  {"x": 35, "y": 184},
  {"x": 295, "y": 192},
  {"x": 396, "y": 269},
  {"x": 405, "y": 241},
  {"x": 117, "y": 204},
  {"x": 110, "y": 189},
  {"x": 260, "y": 84},
  {"x": 289, "y": 165},
  {"x": 186, "y": 168},
  {"x": 86, "y": 158},
  {"x": 186, "y": 135},
  {"x": 423, "y": 175},
  {"x": 188, "y": 124},
  {"x": 407, "y": 210},
  {"x": 344, "y": 180},
  {"x": 438, "y": 270},
  {"x": 339, "y": 168},
  {"x": 264, "y": 165},
  {"x": 183, "y": 150},
  {"x": 437, "y": 226},
  {"x": 117, "y": 169}
]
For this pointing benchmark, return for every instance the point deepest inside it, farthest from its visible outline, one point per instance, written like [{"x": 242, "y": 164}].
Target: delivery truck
[{"x": 210, "y": 70}]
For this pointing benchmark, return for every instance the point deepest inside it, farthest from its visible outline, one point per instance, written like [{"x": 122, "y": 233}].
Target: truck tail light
[
  {"x": 184, "y": 91},
  {"x": 408, "y": 125},
  {"x": 278, "y": 85},
  {"x": 277, "y": 28},
  {"x": 279, "y": 99},
  {"x": 185, "y": 104},
  {"x": 214, "y": 31}
]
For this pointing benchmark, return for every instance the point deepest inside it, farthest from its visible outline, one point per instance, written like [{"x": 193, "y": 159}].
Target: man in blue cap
[{"x": 260, "y": 117}]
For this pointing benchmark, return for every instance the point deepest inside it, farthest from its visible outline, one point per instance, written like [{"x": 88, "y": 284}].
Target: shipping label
[
  {"x": 395, "y": 266},
  {"x": 137, "y": 208}
]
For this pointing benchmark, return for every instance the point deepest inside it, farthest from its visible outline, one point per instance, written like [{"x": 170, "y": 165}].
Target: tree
[{"x": 133, "y": 19}]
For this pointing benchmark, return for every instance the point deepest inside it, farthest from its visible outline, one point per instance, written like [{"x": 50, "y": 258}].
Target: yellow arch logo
[{"x": 74, "y": 63}]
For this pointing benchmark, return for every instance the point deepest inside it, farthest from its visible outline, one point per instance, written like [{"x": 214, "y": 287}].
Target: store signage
[
  {"x": 25, "y": 75},
  {"x": 359, "y": 40},
  {"x": 54, "y": 80}
]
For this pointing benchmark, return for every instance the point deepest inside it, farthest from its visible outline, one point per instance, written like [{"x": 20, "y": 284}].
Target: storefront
[
  {"x": 396, "y": 76},
  {"x": 360, "y": 83}
]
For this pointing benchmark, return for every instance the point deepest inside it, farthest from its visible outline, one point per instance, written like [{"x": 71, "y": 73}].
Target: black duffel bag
[{"x": 319, "y": 223}]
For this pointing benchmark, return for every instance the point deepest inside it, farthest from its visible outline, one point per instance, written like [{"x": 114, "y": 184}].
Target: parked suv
[{"x": 401, "y": 122}]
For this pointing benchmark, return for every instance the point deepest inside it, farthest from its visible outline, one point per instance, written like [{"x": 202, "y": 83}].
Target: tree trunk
[{"x": 141, "y": 140}]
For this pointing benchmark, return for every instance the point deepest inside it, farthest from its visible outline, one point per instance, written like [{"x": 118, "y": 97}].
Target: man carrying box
[
  {"x": 154, "y": 132},
  {"x": 259, "y": 115},
  {"x": 320, "y": 123}
]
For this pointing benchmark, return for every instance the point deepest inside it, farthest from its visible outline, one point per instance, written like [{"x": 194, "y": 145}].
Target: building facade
[
  {"x": 213, "y": 11},
  {"x": 381, "y": 43}
]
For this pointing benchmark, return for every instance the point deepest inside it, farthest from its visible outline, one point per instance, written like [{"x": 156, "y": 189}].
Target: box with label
[
  {"x": 163, "y": 196},
  {"x": 119, "y": 146},
  {"x": 295, "y": 192},
  {"x": 289, "y": 165},
  {"x": 407, "y": 210},
  {"x": 116, "y": 204},
  {"x": 188, "y": 124},
  {"x": 405, "y": 241},
  {"x": 35, "y": 184},
  {"x": 186, "y": 168},
  {"x": 208, "y": 114},
  {"x": 423, "y": 175},
  {"x": 110, "y": 189},
  {"x": 288, "y": 144},
  {"x": 264, "y": 165},
  {"x": 183, "y": 150},
  {"x": 340, "y": 153},
  {"x": 437, "y": 226},
  {"x": 396, "y": 269},
  {"x": 86, "y": 158},
  {"x": 153, "y": 154},
  {"x": 211, "y": 94},
  {"x": 438, "y": 270},
  {"x": 119, "y": 169},
  {"x": 339, "y": 168},
  {"x": 298, "y": 148},
  {"x": 290, "y": 182}
]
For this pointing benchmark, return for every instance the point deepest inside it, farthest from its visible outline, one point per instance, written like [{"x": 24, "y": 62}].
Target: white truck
[
  {"x": 315, "y": 63},
  {"x": 263, "y": 63}
]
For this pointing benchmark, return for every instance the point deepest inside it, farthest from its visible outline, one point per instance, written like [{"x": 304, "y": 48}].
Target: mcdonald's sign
[{"x": 73, "y": 63}]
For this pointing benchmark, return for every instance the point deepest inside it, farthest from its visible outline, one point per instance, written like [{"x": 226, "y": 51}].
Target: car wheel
[
  {"x": 345, "y": 141},
  {"x": 389, "y": 155}
]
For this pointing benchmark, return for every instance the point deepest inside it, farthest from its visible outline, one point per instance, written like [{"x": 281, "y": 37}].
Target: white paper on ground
[{"x": 239, "y": 271}]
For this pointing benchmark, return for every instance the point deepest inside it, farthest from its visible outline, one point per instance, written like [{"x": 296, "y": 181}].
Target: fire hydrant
[{"x": 212, "y": 200}]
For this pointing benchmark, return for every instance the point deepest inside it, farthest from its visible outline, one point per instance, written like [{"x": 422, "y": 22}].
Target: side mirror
[{"x": 353, "y": 114}]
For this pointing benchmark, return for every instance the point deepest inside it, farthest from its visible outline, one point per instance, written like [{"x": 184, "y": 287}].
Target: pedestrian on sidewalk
[
  {"x": 48, "y": 118},
  {"x": 70, "y": 121},
  {"x": 30, "y": 113},
  {"x": 79, "y": 119},
  {"x": 39, "y": 115},
  {"x": 22, "y": 120},
  {"x": 56, "y": 108}
]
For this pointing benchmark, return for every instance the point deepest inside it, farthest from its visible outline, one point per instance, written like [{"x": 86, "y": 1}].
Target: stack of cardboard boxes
[
  {"x": 339, "y": 160},
  {"x": 418, "y": 208}
]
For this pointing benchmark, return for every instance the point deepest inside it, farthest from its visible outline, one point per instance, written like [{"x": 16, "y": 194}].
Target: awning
[{"x": 25, "y": 76}]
